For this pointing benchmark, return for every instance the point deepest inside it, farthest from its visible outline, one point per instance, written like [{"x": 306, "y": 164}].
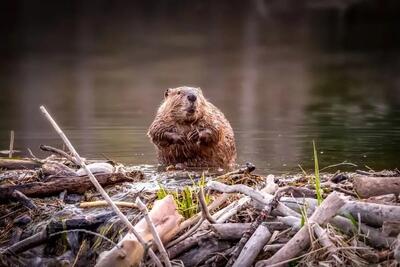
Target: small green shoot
[
  {"x": 317, "y": 177},
  {"x": 303, "y": 211},
  {"x": 186, "y": 199}
]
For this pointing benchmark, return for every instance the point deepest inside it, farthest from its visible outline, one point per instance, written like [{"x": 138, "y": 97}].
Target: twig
[
  {"x": 142, "y": 207},
  {"x": 26, "y": 201},
  {"x": 100, "y": 203},
  {"x": 11, "y": 144},
  {"x": 187, "y": 234},
  {"x": 339, "y": 164},
  {"x": 247, "y": 169},
  {"x": 204, "y": 210},
  {"x": 59, "y": 152},
  {"x": 239, "y": 188},
  {"x": 98, "y": 186}
]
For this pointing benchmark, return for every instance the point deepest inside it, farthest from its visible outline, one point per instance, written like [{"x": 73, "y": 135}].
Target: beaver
[{"x": 191, "y": 131}]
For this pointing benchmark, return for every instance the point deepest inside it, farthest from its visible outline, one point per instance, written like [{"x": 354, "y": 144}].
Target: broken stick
[{"x": 98, "y": 186}]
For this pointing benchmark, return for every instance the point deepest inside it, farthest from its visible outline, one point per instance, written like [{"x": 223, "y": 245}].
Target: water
[{"x": 283, "y": 74}]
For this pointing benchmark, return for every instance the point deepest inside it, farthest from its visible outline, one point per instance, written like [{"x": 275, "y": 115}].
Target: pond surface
[{"x": 283, "y": 75}]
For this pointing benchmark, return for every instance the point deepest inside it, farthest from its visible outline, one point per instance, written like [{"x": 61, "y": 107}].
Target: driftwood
[
  {"x": 153, "y": 231},
  {"x": 371, "y": 213},
  {"x": 129, "y": 254},
  {"x": 166, "y": 220},
  {"x": 19, "y": 164},
  {"x": 253, "y": 246},
  {"x": 376, "y": 186},
  {"x": 301, "y": 239},
  {"x": 71, "y": 184}
]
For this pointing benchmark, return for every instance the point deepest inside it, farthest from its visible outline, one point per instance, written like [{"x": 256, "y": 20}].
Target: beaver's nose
[{"x": 191, "y": 97}]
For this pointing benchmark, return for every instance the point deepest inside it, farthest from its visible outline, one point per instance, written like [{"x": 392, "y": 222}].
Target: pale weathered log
[
  {"x": 19, "y": 164},
  {"x": 253, "y": 246},
  {"x": 230, "y": 231},
  {"x": 375, "y": 186},
  {"x": 301, "y": 239},
  {"x": 154, "y": 232},
  {"x": 374, "y": 237},
  {"x": 166, "y": 220},
  {"x": 56, "y": 185},
  {"x": 371, "y": 213}
]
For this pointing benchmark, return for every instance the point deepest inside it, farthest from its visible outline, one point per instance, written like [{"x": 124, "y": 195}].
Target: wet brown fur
[{"x": 195, "y": 135}]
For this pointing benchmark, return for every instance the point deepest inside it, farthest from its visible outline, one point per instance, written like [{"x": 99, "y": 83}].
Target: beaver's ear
[
  {"x": 166, "y": 93},
  {"x": 199, "y": 90}
]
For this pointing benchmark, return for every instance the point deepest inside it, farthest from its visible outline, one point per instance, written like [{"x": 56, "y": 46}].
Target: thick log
[
  {"x": 253, "y": 246},
  {"x": 71, "y": 184},
  {"x": 19, "y": 164},
  {"x": 301, "y": 239},
  {"x": 371, "y": 213},
  {"x": 375, "y": 186}
]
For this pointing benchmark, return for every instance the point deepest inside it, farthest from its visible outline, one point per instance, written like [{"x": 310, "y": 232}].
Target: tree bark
[{"x": 71, "y": 184}]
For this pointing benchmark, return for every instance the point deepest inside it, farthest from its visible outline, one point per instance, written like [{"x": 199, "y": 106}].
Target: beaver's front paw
[
  {"x": 173, "y": 138},
  {"x": 205, "y": 137}
]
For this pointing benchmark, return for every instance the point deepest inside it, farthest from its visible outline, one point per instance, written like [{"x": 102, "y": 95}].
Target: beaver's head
[{"x": 184, "y": 104}]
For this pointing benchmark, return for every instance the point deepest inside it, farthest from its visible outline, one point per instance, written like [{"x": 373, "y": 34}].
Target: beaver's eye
[{"x": 179, "y": 92}]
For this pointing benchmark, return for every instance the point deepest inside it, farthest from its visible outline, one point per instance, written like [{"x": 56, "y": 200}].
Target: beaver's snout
[{"x": 191, "y": 97}]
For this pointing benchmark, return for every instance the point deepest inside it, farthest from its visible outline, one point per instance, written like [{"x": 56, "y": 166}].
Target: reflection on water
[{"x": 282, "y": 74}]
